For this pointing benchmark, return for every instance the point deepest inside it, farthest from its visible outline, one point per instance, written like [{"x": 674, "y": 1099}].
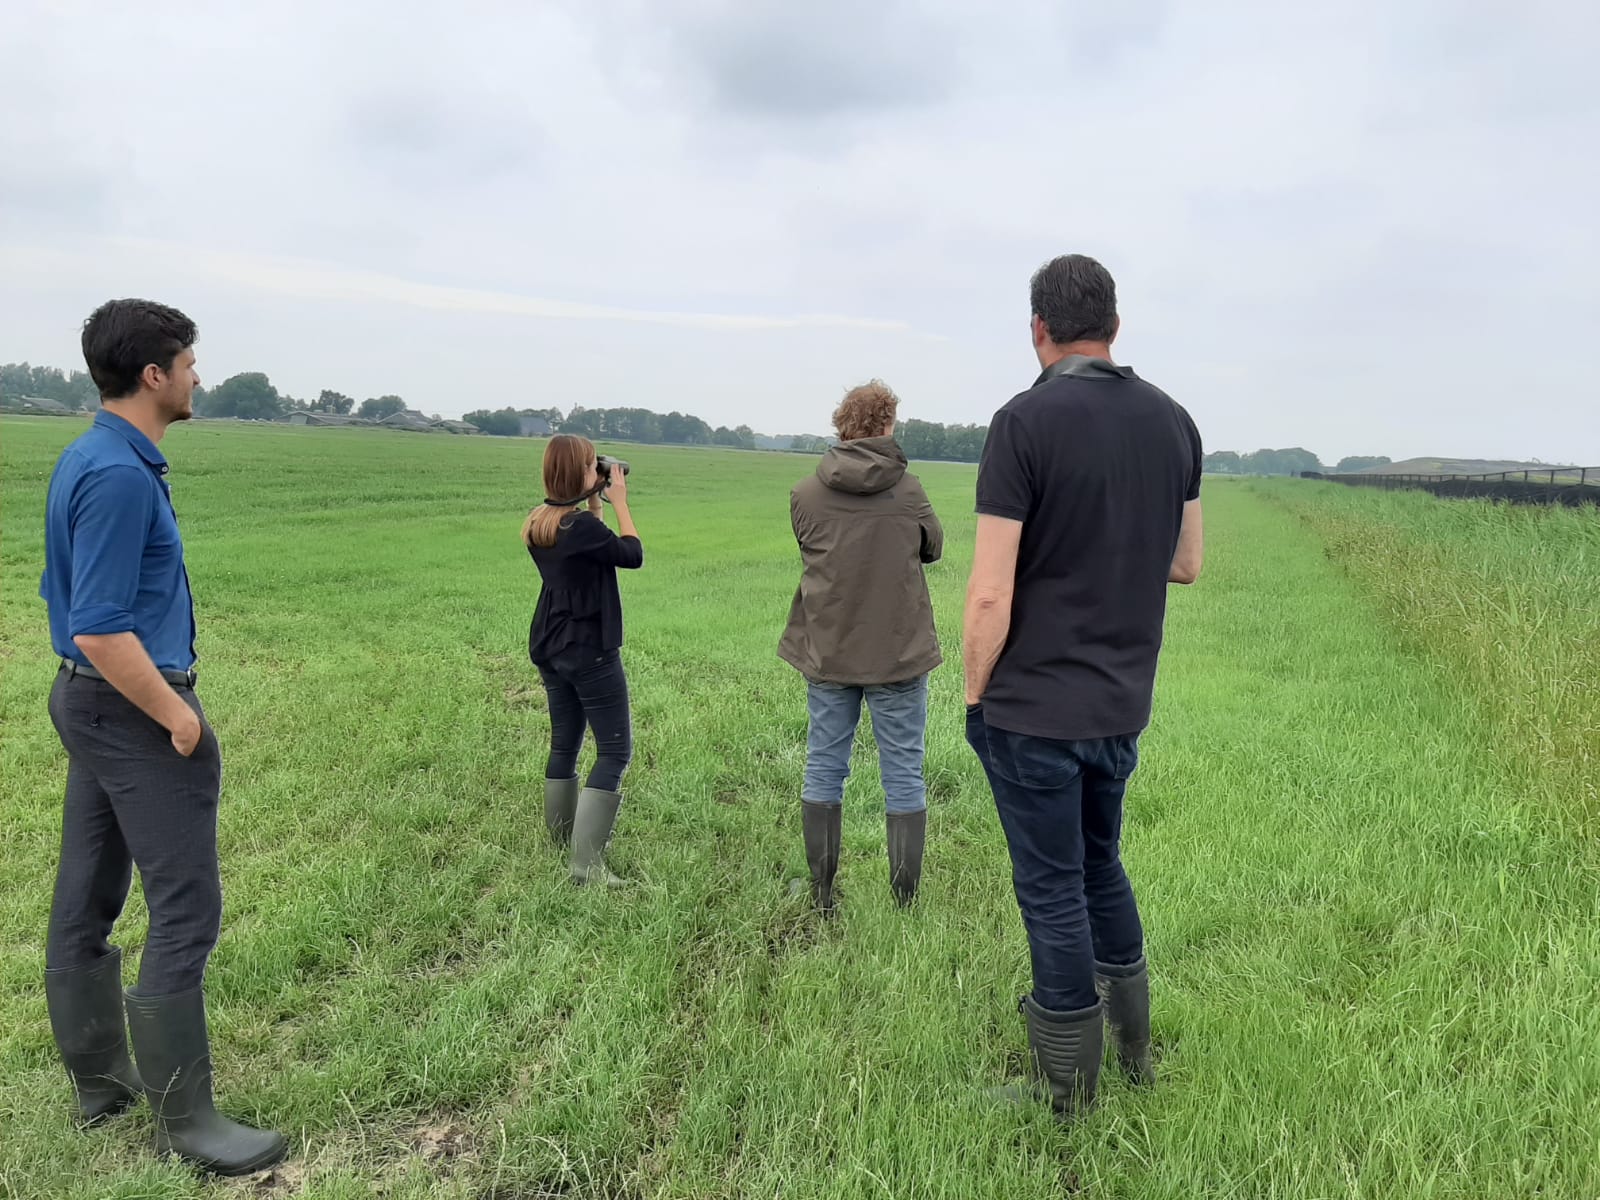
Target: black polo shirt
[{"x": 1096, "y": 464}]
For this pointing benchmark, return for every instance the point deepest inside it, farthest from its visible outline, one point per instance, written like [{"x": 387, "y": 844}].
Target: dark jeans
[
  {"x": 132, "y": 800},
  {"x": 1060, "y": 804},
  {"x": 587, "y": 686}
]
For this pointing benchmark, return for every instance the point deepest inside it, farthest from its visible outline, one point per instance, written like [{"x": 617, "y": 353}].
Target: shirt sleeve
[
  {"x": 108, "y": 523},
  {"x": 597, "y": 542},
  {"x": 1005, "y": 470},
  {"x": 1197, "y": 451}
]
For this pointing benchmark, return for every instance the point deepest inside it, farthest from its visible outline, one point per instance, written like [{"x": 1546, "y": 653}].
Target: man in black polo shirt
[{"x": 1089, "y": 505}]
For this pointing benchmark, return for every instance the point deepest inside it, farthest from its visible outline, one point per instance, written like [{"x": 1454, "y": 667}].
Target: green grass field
[{"x": 1363, "y": 835}]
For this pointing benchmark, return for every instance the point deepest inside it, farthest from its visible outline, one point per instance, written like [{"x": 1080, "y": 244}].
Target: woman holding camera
[{"x": 575, "y": 641}]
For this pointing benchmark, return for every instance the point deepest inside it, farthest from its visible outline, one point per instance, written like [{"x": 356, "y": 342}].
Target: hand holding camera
[{"x": 613, "y": 474}]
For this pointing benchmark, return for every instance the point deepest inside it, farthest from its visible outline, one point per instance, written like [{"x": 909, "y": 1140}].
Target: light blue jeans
[{"x": 899, "y": 723}]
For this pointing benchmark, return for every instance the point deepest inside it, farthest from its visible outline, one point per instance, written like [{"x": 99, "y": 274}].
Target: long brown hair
[{"x": 566, "y": 463}]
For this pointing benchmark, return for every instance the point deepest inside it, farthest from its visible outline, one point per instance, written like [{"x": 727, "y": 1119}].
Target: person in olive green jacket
[{"x": 861, "y": 626}]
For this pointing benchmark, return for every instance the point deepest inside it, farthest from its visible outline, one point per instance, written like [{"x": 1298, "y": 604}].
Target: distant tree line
[
  {"x": 1292, "y": 461},
  {"x": 947, "y": 443},
  {"x": 251, "y": 395},
  {"x": 74, "y": 389}
]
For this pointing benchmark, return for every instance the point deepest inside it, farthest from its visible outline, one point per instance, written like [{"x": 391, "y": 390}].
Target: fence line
[{"x": 1534, "y": 485}]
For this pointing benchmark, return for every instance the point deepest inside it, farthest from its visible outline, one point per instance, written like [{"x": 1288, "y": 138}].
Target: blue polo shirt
[{"x": 113, "y": 560}]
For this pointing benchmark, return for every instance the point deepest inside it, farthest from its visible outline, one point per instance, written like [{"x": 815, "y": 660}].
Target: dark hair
[
  {"x": 123, "y": 337},
  {"x": 1076, "y": 298}
]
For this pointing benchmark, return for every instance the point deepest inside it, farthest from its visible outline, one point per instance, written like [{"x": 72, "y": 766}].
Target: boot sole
[
  {"x": 267, "y": 1158},
  {"x": 115, "y": 1109}
]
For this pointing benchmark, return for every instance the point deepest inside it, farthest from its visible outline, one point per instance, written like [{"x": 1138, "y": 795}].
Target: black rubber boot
[
  {"x": 560, "y": 803},
  {"x": 174, "y": 1053},
  {"x": 1066, "y": 1048},
  {"x": 820, "y": 825},
  {"x": 1125, "y": 993},
  {"x": 595, "y": 818},
  {"x": 85, "y": 1006},
  {"x": 907, "y": 834}
]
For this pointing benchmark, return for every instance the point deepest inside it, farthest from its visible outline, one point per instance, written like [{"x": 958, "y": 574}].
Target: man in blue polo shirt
[
  {"x": 144, "y": 770},
  {"x": 1088, "y": 507}
]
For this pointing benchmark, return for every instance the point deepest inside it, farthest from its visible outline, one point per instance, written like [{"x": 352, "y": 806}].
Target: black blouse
[{"x": 579, "y": 604}]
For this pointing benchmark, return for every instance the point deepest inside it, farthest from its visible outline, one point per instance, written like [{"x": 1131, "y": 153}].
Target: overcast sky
[{"x": 1358, "y": 227}]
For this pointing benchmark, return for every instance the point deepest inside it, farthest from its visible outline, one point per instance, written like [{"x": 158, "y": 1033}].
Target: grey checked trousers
[{"x": 133, "y": 800}]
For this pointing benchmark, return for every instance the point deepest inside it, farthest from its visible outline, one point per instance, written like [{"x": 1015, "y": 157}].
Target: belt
[{"x": 184, "y": 679}]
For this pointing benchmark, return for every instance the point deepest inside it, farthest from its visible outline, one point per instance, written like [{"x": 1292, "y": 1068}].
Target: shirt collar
[
  {"x": 1084, "y": 367},
  {"x": 143, "y": 445}
]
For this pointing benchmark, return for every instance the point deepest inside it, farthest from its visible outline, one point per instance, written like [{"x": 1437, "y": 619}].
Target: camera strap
[{"x": 572, "y": 503}]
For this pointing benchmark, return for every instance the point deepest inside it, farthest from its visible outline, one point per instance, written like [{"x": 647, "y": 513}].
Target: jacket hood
[{"x": 863, "y": 467}]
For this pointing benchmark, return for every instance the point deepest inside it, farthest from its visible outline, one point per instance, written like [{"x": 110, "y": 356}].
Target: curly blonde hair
[{"x": 865, "y": 410}]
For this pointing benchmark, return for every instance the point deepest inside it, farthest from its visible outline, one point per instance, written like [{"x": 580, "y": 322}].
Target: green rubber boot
[
  {"x": 560, "y": 804},
  {"x": 821, "y": 825},
  {"x": 174, "y": 1053},
  {"x": 1066, "y": 1048},
  {"x": 1125, "y": 992},
  {"x": 907, "y": 834},
  {"x": 592, "y": 824},
  {"x": 85, "y": 1004}
]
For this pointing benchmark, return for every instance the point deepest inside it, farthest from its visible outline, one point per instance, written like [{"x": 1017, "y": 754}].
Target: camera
[{"x": 603, "y": 465}]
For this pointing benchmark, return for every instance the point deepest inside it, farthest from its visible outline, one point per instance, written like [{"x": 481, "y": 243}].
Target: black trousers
[
  {"x": 132, "y": 800},
  {"x": 586, "y": 686}
]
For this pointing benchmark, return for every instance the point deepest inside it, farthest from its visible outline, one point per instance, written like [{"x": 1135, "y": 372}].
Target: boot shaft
[
  {"x": 820, "y": 827},
  {"x": 1125, "y": 993},
  {"x": 906, "y": 836},
  {"x": 560, "y": 806},
  {"x": 173, "y": 1046},
  {"x": 85, "y": 1004},
  {"x": 593, "y": 821},
  {"x": 1067, "y": 1048},
  {"x": 86, "y": 1019}
]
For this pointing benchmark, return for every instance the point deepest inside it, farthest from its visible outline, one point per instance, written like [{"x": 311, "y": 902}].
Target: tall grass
[{"x": 1505, "y": 598}]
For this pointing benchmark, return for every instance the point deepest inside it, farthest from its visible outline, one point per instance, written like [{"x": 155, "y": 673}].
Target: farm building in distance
[
  {"x": 39, "y": 405},
  {"x": 322, "y": 418},
  {"x": 409, "y": 419}
]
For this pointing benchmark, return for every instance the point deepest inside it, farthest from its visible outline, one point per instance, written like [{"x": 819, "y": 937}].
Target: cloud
[
  {"x": 1325, "y": 223},
  {"x": 795, "y": 62},
  {"x": 306, "y": 280}
]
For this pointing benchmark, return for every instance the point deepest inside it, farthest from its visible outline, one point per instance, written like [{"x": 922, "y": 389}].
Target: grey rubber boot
[
  {"x": 592, "y": 824},
  {"x": 820, "y": 825},
  {"x": 907, "y": 832},
  {"x": 560, "y": 803},
  {"x": 91, "y": 1034},
  {"x": 1066, "y": 1048},
  {"x": 174, "y": 1053},
  {"x": 1125, "y": 993}
]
